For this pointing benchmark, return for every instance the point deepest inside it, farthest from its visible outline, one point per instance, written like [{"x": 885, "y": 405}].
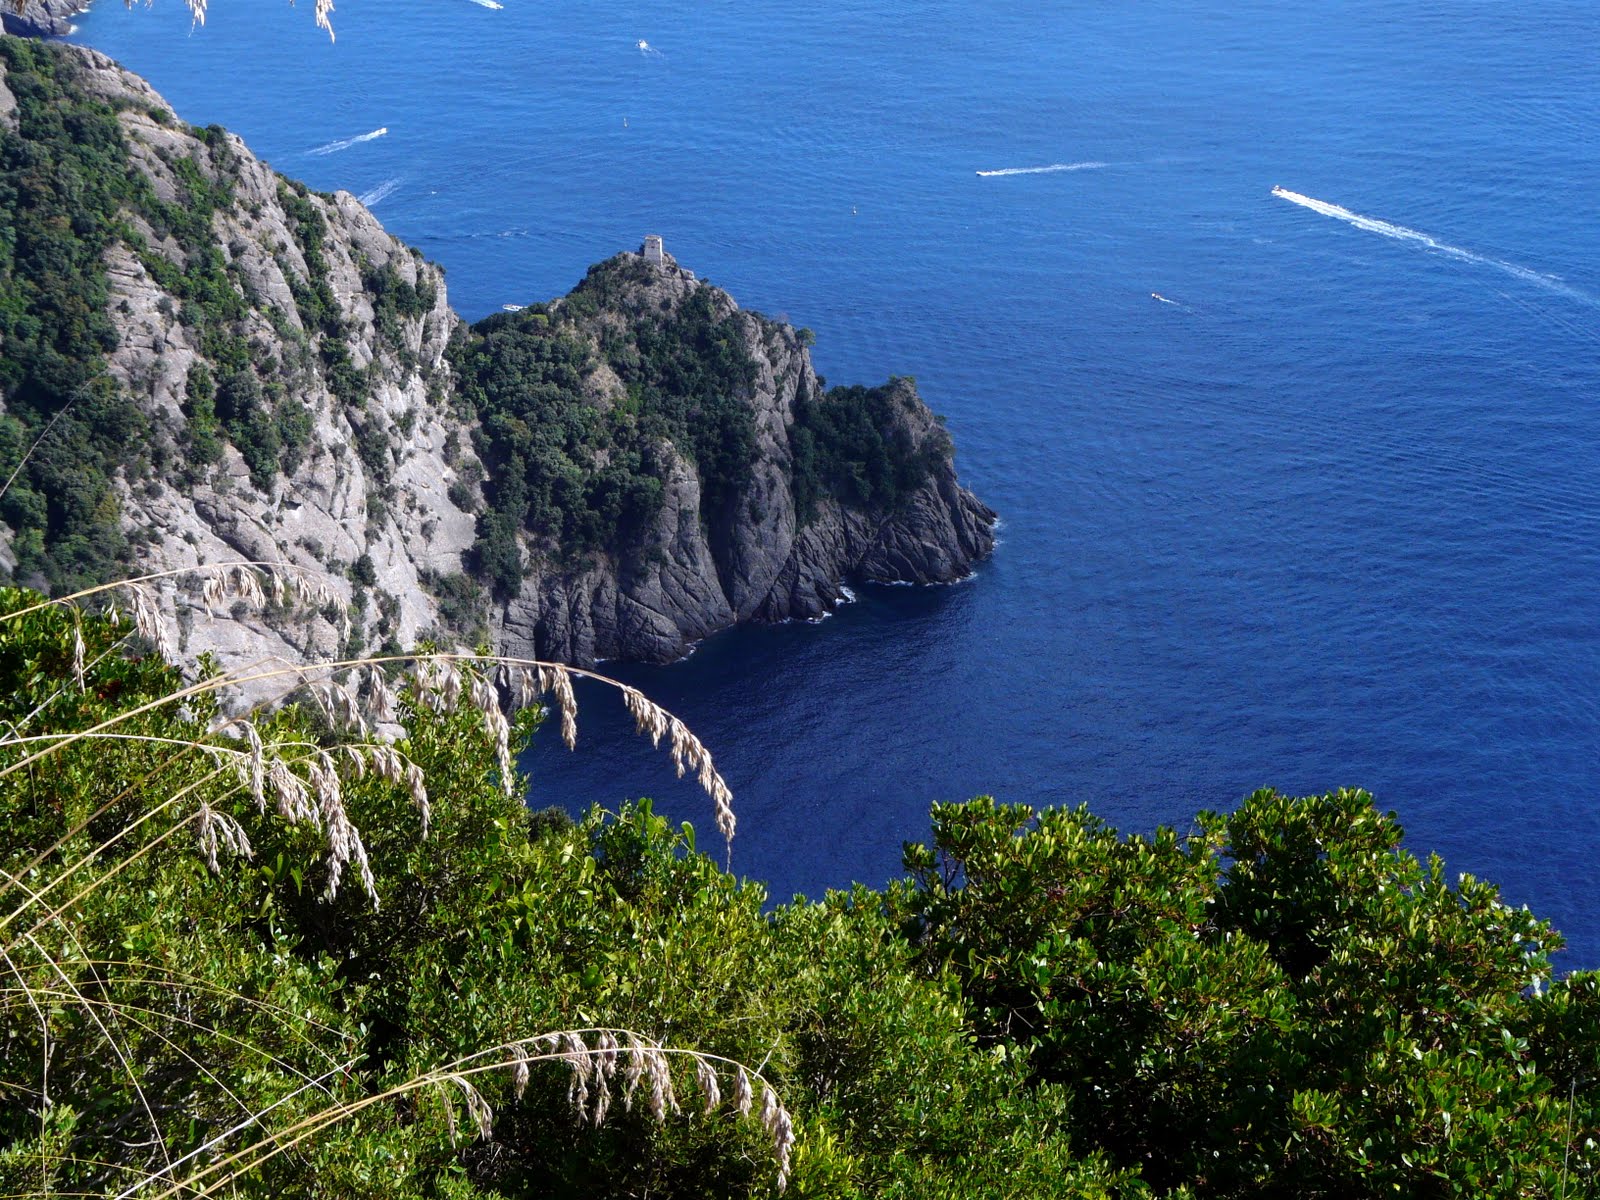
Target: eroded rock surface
[{"x": 368, "y": 481}]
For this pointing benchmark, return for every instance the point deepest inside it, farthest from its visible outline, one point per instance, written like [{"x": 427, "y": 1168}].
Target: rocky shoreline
[
  {"x": 41, "y": 18},
  {"x": 382, "y": 502}
]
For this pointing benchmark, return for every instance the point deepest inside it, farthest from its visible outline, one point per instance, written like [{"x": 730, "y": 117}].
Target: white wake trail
[
  {"x": 346, "y": 143},
  {"x": 489, "y": 4},
  {"x": 1401, "y": 233},
  {"x": 380, "y": 193},
  {"x": 1053, "y": 167}
]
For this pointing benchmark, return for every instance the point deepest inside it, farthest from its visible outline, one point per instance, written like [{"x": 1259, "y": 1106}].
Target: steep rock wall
[
  {"x": 291, "y": 379},
  {"x": 763, "y": 553},
  {"x": 360, "y": 504}
]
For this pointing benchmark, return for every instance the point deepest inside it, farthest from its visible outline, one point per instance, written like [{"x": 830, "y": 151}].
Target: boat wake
[
  {"x": 494, "y": 4},
  {"x": 1551, "y": 283},
  {"x": 380, "y": 193},
  {"x": 346, "y": 143},
  {"x": 1050, "y": 170}
]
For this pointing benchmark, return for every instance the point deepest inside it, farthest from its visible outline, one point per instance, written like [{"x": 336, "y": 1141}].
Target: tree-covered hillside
[
  {"x": 584, "y": 405},
  {"x": 201, "y": 993}
]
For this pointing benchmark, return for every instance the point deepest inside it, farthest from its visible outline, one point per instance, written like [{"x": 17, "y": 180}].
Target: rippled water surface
[{"x": 1324, "y": 515}]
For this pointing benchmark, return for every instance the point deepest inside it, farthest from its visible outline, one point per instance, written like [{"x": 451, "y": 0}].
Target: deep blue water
[{"x": 1329, "y": 518}]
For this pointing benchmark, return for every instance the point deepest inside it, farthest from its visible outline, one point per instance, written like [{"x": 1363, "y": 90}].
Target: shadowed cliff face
[
  {"x": 40, "y": 18},
  {"x": 612, "y": 475},
  {"x": 769, "y": 498}
]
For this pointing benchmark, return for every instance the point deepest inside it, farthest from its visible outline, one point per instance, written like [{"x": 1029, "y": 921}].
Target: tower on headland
[{"x": 652, "y": 250}]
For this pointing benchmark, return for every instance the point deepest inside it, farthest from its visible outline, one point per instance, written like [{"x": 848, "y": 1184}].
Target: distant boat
[{"x": 512, "y": 307}]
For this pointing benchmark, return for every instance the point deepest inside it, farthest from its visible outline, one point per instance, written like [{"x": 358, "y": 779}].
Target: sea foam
[
  {"x": 1051, "y": 169},
  {"x": 1388, "y": 229},
  {"x": 346, "y": 143}
]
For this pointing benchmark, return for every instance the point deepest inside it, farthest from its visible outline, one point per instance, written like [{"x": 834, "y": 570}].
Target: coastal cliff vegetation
[
  {"x": 584, "y": 471},
  {"x": 269, "y": 955},
  {"x": 207, "y": 361},
  {"x": 322, "y": 947}
]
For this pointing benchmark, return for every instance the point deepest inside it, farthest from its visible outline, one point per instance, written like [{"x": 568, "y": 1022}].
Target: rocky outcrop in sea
[
  {"x": 294, "y": 376},
  {"x": 757, "y": 555},
  {"x": 40, "y": 18}
]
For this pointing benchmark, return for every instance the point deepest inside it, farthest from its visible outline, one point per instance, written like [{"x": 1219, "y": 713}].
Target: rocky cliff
[
  {"x": 219, "y": 364},
  {"x": 40, "y": 18},
  {"x": 768, "y": 501},
  {"x": 271, "y": 359}
]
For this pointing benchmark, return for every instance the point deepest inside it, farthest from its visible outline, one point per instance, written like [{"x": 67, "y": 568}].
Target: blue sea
[{"x": 1299, "y": 489}]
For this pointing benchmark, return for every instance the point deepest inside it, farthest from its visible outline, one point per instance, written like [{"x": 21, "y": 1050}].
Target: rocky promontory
[
  {"x": 218, "y": 364},
  {"x": 743, "y": 489},
  {"x": 40, "y": 18}
]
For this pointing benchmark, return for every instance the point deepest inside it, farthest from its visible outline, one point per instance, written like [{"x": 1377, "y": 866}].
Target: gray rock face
[
  {"x": 372, "y": 485},
  {"x": 691, "y": 575},
  {"x": 40, "y": 18},
  {"x": 378, "y": 505}
]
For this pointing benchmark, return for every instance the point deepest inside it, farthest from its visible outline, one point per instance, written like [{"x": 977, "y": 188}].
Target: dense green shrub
[
  {"x": 850, "y": 443},
  {"x": 207, "y": 995},
  {"x": 1284, "y": 1002}
]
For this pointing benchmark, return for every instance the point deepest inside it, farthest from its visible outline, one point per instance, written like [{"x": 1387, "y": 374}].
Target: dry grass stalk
[
  {"x": 438, "y": 684},
  {"x": 304, "y": 785},
  {"x": 647, "y": 1067}
]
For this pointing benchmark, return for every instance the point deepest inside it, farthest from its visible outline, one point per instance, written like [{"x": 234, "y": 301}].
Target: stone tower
[{"x": 652, "y": 250}]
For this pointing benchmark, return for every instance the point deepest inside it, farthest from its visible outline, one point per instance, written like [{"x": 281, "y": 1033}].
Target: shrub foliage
[
  {"x": 585, "y": 471},
  {"x": 1281, "y": 1002}
]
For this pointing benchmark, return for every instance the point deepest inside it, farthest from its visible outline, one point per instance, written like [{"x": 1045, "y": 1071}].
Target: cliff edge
[
  {"x": 718, "y": 481},
  {"x": 40, "y": 18},
  {"x": 202, "y": 361}
]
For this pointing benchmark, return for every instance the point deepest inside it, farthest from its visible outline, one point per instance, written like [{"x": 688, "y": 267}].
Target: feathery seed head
[
  {"x": 247, "y": 586},
  {"x": 602, "y": 1099},
  {"x": 636, "y": 1069},
  {"x": 253, "y": 766},
  {"x": 607, "y": 1053},
  {"x": 743, "y": 1097},
  {"x": 79, "y": 651},
  {"x": 380, "y": 697},
  {"x": 487, "y": 701},
  {"x": 662, "y": 1101},
  {"x": 211, "y": 595},
  {"x": 215, "y": 829},
  {"x": 292, "y": 799},
  {"x": 147, "y": 621},
  {"x": 568, "y": 704},
  {"x": 519, "y": 1071},
  {"x": 782, "y": 1132},
  {"x": 648, "y": 717},
  {"x": 478, "y": 1110},
  {"x": 576, "y": 1053},
  {"x": 528, "y": 689},
  {"x": 344, "y": 839},
  {"x": 705, "y": 1078}
]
